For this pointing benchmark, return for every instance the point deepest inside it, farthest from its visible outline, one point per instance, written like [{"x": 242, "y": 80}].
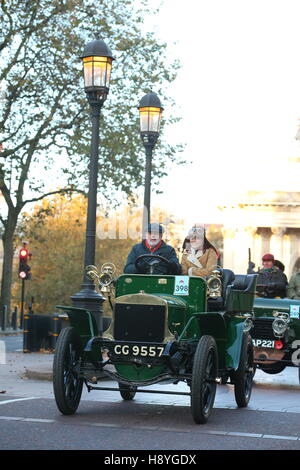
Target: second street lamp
[
  {"x": 150, "y": 116},
  {"x": 97, "y": 63}
]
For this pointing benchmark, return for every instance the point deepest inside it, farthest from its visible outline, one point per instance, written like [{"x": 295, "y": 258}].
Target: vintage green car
[
  {"x": 164, "y": 329},
  {"x": 276, "y": 334}
]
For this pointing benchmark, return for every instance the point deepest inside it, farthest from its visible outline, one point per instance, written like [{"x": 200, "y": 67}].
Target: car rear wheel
[
  {"x": 128, "y": 391},
  {"x": 204, "y": 374},
  {"x": 273, "y": 368},
  {"x": 67, "y": 384},
  {"x": 243, "y": 376}
]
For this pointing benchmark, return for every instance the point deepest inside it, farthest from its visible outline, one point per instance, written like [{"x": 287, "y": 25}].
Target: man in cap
[
  {"x": 152, "y": 244},
  {"x": 271, "y": 281}
]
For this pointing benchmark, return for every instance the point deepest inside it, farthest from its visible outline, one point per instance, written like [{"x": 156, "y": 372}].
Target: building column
[
  {"x": 237, "y": 242},
  {"x": 228, "y": 247},
  {"x": 276, "y": 242}
]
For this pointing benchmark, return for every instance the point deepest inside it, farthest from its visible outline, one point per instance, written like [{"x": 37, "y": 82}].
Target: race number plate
[
  {"x": 263, "y": 343},
  {"x": 136, "y": 350},
  {"x": 181, "y": 286},
  {"x": 294, "y": 311}
]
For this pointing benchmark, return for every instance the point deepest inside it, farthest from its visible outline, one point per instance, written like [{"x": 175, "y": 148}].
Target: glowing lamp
[
  {"x": 97, "y": 64},
  {"x": 150, "y": 114}
]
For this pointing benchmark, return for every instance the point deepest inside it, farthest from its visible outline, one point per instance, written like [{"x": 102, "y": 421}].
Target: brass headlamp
[
  {"x": 214, "y": 285},
  {"x": 104, "y": 278}
]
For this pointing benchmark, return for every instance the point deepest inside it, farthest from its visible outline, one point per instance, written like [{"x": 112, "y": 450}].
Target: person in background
[
  {"x": 200, "y": 256},
  {"x": 271, "y": 281},
  {"x": 293, "y": 289},
  {"x": 153, "y": 244},
  {"x": 278, "y": 264}
]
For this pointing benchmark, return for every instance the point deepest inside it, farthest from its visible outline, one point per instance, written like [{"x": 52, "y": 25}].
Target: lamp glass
[
  {"x": 150, "y": 118},
  {"x": 97, "y": 71}
]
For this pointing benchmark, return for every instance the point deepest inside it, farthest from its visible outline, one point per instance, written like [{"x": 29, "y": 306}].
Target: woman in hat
[{"x": 200, "y": 256}]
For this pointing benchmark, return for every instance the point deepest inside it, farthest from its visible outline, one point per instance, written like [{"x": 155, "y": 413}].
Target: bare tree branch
[{"x": 51, "y": 193}]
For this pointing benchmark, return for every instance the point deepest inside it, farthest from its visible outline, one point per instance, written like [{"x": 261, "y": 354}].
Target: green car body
[{"x": 158, "y": 323}]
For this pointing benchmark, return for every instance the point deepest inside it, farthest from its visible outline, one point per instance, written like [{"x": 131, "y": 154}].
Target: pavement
[
  {"x": 10, "y": 331},
  {"x": 37, "y": 366}
]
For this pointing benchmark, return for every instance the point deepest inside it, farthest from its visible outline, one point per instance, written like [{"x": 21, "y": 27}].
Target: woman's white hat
[{"x": 197, "y": 229}]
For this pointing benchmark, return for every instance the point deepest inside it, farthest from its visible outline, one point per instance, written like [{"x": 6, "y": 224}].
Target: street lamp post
[
  {"x": 97, "y": 63},
  {"x": 150, "y": 116}
]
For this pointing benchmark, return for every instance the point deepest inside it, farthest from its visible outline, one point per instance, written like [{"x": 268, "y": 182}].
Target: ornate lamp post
[
  {"x": 150, "y": 116},
  {"x": 97, "y": 63}
]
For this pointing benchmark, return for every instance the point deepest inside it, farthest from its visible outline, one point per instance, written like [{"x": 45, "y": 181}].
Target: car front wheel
[
  {"x": 67, "y": 384},
  {"x": 204, "y": 374}
]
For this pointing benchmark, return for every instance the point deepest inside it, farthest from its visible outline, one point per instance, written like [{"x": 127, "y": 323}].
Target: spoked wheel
[
  {"x": 243, "y": 376},
  {"x": 203, "y": 386},
  {"x": 66, "y": 383},
  {"x": 128, "y": 391}
]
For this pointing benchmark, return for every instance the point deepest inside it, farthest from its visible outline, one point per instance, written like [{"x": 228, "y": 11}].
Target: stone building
[{"x": 265, "y": 222}]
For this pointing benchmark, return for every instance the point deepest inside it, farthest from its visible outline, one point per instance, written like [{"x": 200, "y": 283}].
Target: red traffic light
[{"x": 24, "y": 254}]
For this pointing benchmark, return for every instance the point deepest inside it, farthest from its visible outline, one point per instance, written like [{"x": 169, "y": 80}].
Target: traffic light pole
[{"x": 22, "y": 303}]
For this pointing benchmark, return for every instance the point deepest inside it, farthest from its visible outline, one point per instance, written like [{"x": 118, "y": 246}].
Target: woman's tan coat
[{"x": 199, "y": 264}]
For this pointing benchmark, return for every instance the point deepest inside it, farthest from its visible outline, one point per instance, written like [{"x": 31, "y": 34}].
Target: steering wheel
[
  {"x": 151, "y": 262},
  {"x": 264, "y": 289}
]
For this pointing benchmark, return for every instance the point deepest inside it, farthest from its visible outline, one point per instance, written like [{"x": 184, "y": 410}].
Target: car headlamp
[
  {"x": 214, "y": 285},
  {"x": 279, "y": 326},
  {"x": 248, "y": 324},
  {"x": 104, "y": 278}
]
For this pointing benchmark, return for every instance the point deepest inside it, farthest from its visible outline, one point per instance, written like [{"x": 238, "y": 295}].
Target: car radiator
[
  {"x": 137, "y": 322},
  {"x": 263, "y": 329}
]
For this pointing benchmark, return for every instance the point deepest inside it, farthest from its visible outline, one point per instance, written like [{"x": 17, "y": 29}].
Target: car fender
[
  {"x": 83, "y": 321},
  {"x": 235, "y": 332},
  {"x": 212, "y": 324}
]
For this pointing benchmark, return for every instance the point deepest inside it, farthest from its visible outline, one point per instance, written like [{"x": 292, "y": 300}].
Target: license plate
[
  {"x": 136, "y": 350},
  {"x": 263, "y": 343}
]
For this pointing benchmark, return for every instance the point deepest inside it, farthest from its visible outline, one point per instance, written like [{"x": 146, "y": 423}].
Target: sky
[{"x": 238, "y": 94}]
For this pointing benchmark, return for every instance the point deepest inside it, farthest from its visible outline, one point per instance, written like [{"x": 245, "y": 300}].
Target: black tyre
[
  {"x": 67, "y": 385},
  {"x": 243, "y": 376},
  {"x": 273, "y": 368},
  {"x": 204, "y": 374},
  {"x": 128, "y": 391}
]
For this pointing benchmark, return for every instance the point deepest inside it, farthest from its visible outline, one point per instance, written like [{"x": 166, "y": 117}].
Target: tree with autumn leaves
[
  {"x": 44, "y": 116},
  {"x": 56, "y": 232}
]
